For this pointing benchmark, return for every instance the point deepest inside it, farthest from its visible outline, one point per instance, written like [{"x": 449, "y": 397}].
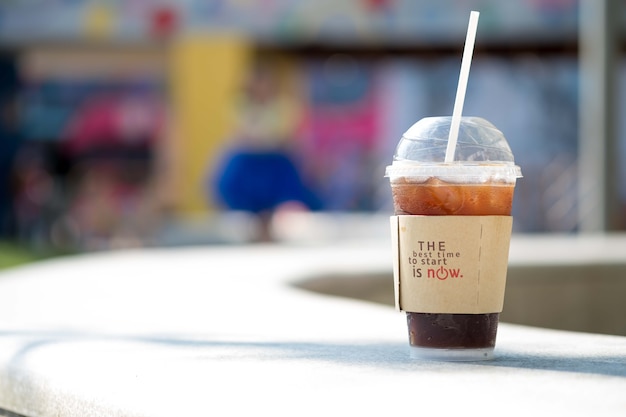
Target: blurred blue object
[{"x": 260, "y": 180}]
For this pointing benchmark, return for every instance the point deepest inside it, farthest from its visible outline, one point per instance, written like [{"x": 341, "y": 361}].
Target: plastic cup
[{"x": 479, "y": 183}]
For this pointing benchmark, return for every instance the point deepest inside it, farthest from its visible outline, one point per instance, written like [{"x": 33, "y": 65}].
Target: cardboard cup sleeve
[{"x": 450, "y": 264}]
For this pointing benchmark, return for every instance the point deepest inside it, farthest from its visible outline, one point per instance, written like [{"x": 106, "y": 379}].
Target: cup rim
[{"x": 457, "y": 170}]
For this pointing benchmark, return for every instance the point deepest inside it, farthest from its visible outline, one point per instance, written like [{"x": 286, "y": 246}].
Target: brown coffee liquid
[
  {"x": 438, "y": 198},
  {"x": 467, "y": 331}
]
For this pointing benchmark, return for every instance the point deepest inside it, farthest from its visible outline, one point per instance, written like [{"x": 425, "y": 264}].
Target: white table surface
[{"x": 222, "y": 331}]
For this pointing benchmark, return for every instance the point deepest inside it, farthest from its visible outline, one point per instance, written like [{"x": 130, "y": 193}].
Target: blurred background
[{"x": 154, "y": 123}]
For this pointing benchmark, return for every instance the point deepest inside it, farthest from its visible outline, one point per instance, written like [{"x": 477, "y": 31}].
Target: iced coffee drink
[
  {"x": 438, "y": 198},
  {"x": 445, "y": 281}
]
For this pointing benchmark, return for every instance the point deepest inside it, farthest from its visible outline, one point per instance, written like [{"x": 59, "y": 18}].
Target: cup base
[{"x": 451, "y": 355}]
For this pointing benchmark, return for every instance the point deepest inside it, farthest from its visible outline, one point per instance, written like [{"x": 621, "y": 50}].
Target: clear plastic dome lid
[{"x": 481, "y": 151}]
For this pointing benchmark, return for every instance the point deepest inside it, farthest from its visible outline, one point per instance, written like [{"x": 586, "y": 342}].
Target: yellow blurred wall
[{"x": 206, "y": 73}]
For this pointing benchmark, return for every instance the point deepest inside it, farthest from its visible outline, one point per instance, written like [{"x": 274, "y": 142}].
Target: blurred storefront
[{"x": 127, "y": 108}]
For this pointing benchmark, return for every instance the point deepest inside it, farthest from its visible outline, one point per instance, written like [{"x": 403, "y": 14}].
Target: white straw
[{"x": 460, "y": 90}]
